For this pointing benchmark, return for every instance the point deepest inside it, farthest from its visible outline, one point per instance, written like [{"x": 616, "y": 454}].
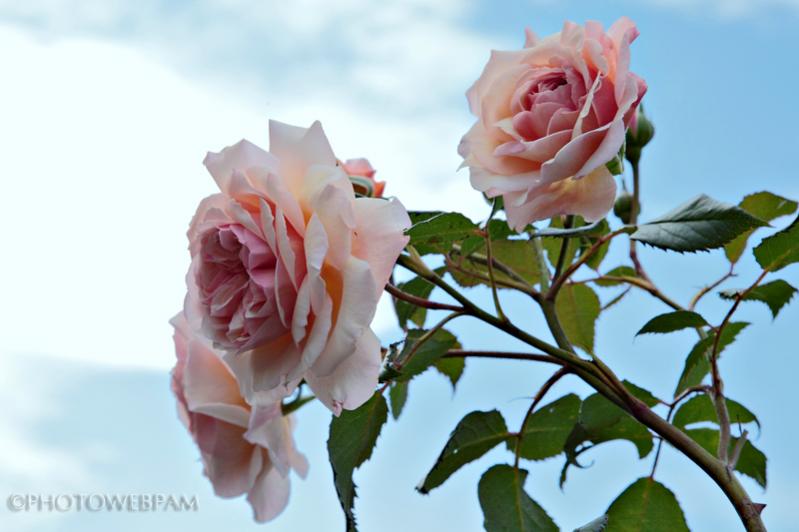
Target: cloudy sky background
[{"x": 107, "y": 109}]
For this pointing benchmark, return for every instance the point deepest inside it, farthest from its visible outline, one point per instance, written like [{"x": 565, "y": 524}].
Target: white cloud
[
  {"x": 101, "y": 169},
  {"x": 103, "y": 143},
  {"x": 27, "y": 462}
]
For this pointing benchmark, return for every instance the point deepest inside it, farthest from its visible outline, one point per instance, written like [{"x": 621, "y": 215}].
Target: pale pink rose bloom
[
  {"x": 550, "y": 116},
  {"x": 363, "y": 168},
  {"x": 288, "y": 266},
  {"x": 243, "y": 450}
]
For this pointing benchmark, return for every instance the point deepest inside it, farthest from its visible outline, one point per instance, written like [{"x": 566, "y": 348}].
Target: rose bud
[{"x": 362, "y": 176}]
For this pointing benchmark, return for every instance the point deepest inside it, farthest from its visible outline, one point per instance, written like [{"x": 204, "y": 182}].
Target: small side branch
[
  {"x": 712, "y": 286},
  {"x": 420, "y": 301},
  {"x": 550, "y": 382},
  {"x": 585, "y": 257},
  {"x": 507, "y": 355},
  {"x": 717, "y": 383}
]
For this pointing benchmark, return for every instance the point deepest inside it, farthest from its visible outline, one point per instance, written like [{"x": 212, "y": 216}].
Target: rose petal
[
  {"x": 239, "y": 157},
  {"x": 354, "y": 381},
  {"x": 356, "y": 309},
  {"x": 379, "y": 235},
  {"x": 591, "y": 197},
  {"x": 269, "y": 495},
  {"x": 231, "y": 462},
  {"x": 298, "y": 148}
]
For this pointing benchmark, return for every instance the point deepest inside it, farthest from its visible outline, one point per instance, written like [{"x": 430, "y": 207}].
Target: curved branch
[
  {"x": 420, "y": 301},
  {"x": 705, "y": 289},
  {"x": 506, "y": 355},
  {"x": 718, "y": 384},
  {"x": 550, "y": 382}
]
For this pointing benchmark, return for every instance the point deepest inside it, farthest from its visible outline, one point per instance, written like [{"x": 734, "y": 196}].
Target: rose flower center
[{"x": 237, "y": 284}]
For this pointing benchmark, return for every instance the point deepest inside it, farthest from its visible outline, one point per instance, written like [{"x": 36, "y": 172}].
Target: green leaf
[
  {"x": 553, "y": 245},
  {"x": 427, "y": 354},
  {"x": 436, "y": 232},
  {"x": 295, "y": 404},
  {"x": 601, "y": 421},
  {"x": 586, "y": 241},
  {"x": 506, "y": 506},
  {"x": 547, "y": 429},
  {"x": 578, "y": 308},
  {"x": 597, "y": 525},
  {"x": 596, "y": 412},
  {"x": 780, "y": 249},
  {"x": 626, "y": 428},
  {"x": 751, "y": 462},
  {"x": 451, "y": 368},
  {"x": 700, "y": 408},
  {"x": 698, "y": 225},
  {"x": 397, "y": 396},
  {"x": 519, "y": 255},
  {"x": 619, "y": 271},
  {"x": 697, "y": 364},
  {"x": 775, "y": 294},
  {"x": 497, "y": 230},
  {"x": 763, "y": 205},
  {"x": 646, "y": 506},
  {"x": 353, "y": 435},
  {"x": 556, "y": 230},
  {"x": 673, "y": 321},
  {"x": 643, "y": 395},
  {"x": 419, "y": 287},
  {"x": 476, "y": 434}
]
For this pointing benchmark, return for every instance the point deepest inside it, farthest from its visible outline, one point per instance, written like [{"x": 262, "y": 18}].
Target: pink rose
[
  {"x": 287, "y": 268},
  {"x": 243, "y": 450},
  {"x": 363, "y": 168},
  {"x": 550, "y": 116}
]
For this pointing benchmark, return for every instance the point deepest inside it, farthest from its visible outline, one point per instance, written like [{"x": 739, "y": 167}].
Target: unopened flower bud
[
  {"x": 623, "y": 207},
  {"x": 639, "y": 134},
  {"x": 362, "y": 176}
]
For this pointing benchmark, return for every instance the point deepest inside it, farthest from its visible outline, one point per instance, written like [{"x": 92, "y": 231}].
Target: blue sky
[{"x": 108, "y": 109}]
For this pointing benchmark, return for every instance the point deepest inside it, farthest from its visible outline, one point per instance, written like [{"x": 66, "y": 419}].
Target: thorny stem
[
  {"x": 598, "y": 376},
  {"x": 550, "y": 382},
  {"x": 717, "y": 383},
  {"x": 551, "y": 316},
  {"x": 672, "y": 406},
  {"x": 584, "y": 368}
]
